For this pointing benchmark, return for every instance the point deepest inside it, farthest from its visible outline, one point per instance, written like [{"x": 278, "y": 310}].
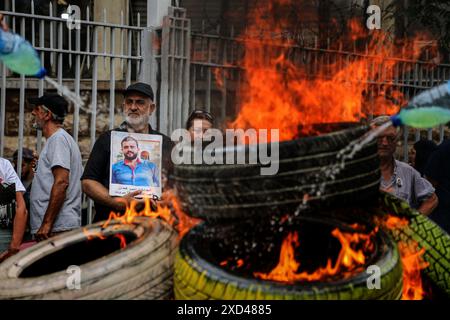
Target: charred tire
[
  {"x": 197, "y": 278},
  {"x": 217, "y": 192},
  {"x": 142, "y": 270},
  {"x": 428, "y": 235}
]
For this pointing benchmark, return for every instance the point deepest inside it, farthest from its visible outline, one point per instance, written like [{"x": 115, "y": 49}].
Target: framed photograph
[{"x": 135, "y": 164}]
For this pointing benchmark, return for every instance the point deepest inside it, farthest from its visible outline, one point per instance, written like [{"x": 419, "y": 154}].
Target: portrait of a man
[{"x": 133, "y": 170}]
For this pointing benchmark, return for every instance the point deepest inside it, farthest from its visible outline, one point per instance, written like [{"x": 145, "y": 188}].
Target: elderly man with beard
[
  {"x": 132, "y": 170},
  {"x": 138, "y": 106}
]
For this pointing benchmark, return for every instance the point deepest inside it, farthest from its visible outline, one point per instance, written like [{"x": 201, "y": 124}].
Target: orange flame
[
  {"x": 412, "y": 261},
  {"x": 348, "y": 260},
  {"x": 123, "y": 242},
  {"x": 92, "y": 235},
  {"x": 176, "y": 217},
  {"x": 220, "y": 75},
  {"x": 286, "y": 94},
  {"x": 393, "y": 222}
]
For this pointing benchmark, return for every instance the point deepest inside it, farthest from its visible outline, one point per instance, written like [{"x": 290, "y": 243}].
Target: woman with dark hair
[{"x": 420, "y": 154}]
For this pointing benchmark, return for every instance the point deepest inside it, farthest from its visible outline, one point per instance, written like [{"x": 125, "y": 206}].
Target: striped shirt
[{"x": 407, "y": 184}]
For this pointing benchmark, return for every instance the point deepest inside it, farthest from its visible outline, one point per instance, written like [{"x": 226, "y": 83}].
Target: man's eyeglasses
[{"x": 141, "y": 103}]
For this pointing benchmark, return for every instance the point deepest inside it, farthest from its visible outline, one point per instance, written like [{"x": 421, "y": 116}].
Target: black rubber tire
[
  {"x": 218, "y": 192},
  {"x": 427, "y": 234},
  {"x": 142, "y": 270},
  {"x": 196, "y": 278}
]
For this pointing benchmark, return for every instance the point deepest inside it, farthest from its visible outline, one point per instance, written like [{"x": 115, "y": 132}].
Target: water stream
[
  {"x": 66, "y": 92},
  {"x": 329, "y": 173}
]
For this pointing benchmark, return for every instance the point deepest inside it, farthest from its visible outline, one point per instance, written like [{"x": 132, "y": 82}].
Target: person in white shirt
[{"x": 9, "y": 176}]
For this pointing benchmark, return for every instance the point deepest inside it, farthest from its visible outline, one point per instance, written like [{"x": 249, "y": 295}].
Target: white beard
[
  {"x": 137, "y": 123},
  {"x": 37, "y": 126}
]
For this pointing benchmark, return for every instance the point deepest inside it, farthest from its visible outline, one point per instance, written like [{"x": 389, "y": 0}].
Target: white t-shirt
[{"x": 8, "y": 175}]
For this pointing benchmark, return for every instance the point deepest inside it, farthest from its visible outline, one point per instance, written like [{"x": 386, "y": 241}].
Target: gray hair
[{"x": 379, "y": 121}]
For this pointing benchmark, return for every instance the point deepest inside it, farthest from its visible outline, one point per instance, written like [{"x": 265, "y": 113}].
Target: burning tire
[
  {"x": 427, "y": 235},
  {"x": 216, "y": 192},
  {"x": 199, "y": 274},
  {"x": 141, "y": 270}
]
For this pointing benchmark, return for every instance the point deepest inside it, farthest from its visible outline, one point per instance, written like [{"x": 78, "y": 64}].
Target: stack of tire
[
  {"x": 218, "y": 192},
  {"x": 235, "y": 200},
  {"x": 141, "y": 270}
]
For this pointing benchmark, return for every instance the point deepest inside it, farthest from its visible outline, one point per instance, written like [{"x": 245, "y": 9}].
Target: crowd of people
[{"x": 49, "y": 192}]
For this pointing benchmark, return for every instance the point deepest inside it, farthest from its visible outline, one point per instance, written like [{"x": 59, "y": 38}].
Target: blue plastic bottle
[
  {"x": 19, "y": 55},
  {"x": 426, "y": 110}
]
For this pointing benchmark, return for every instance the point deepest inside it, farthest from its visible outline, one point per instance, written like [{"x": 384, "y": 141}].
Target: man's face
[
  {"x": 198, "y": 128},
  {"x": 130, "y": 150},
  {"x": 137, "y": 109},
  {"x": 387, "y": 142},
  {"x": 40, "y": 117}
]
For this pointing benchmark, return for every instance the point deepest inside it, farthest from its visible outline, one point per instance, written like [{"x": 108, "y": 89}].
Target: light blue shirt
[
  {"x": 145, "y": 174},
  {"x": 407, "y": 184}
]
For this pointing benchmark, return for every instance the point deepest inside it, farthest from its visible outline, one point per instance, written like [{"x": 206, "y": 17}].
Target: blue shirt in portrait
[{"x": 145, "y": 174}]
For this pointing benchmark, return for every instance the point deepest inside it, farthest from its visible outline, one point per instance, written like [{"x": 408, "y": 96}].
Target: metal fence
[
  {"x": 174, "y": 58},
  {"x": 217, "y": 75},
  {"x": 95, "y": 56},
  {"x": 111, "y": 49}
]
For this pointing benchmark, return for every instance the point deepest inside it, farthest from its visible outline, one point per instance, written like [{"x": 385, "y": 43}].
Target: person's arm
[
  {"x": 20, "y": 222},
  {"x": 428, "y": 205},
  {"x": 19, "y": 226},
  {"x": 57, "y": 196}
]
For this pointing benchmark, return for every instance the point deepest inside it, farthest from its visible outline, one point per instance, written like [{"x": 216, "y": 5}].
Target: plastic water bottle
[
  {"x": 19, "y": 55},
  {"x": 426, "y": 110}
]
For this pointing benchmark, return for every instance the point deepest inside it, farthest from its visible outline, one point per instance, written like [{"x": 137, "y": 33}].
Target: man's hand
[
  {"x": 125, "y": 201},
  {"x": 44, "y": 232},
  {"x": 3, "y": 24},
  {"x": 8, "y": 253},
  {"x": 139, "y": 203}
]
